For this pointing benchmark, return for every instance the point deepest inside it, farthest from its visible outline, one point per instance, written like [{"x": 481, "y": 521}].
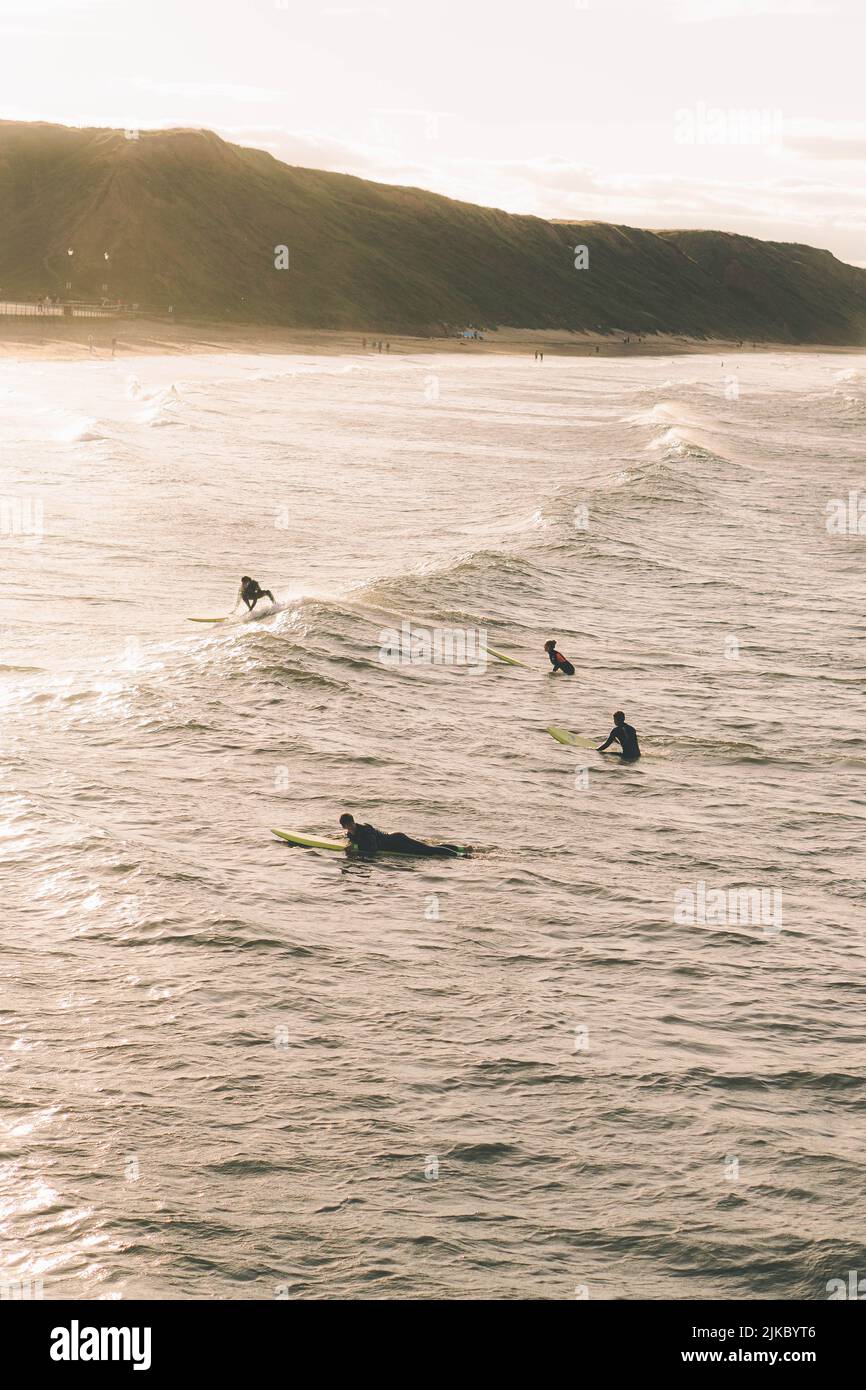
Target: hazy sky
[{"x": 746, "y": 115}]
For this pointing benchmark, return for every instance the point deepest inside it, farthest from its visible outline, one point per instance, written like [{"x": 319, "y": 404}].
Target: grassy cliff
[{"x": 191, "y": 221}]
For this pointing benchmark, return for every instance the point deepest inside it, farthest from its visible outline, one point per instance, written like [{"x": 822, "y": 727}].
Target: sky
[{"x": 740, "y": 115}]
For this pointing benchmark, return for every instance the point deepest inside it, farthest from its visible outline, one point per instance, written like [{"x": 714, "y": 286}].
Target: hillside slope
[{"x": 191, "y": 221}]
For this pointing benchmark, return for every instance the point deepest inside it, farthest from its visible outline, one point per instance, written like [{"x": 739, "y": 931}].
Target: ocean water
[{"x": 572, "y": 1064}]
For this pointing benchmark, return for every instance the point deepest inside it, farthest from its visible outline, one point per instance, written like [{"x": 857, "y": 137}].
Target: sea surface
[{"x": 573, "y": 1064}]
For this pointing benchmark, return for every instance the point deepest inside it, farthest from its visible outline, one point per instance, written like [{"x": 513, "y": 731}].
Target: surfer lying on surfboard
[
  {"x": 624, "y": 735},
  {"x": 368, "y": 840},
  {"x": 252, "y": 591},
  {"x": 557, "y": 660}
]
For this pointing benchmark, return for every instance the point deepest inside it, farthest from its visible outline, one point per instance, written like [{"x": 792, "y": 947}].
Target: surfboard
[
  {"x": 294, "y": 837},
  {"x": 250, "y": 617},
  {"x": 571, "y": 740},
  {"x": 580, "y": 741},
  {"x": 509, "y": 660}
]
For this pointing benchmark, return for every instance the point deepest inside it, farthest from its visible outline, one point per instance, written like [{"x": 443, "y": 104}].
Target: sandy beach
[{"x": 65, "y": 340}]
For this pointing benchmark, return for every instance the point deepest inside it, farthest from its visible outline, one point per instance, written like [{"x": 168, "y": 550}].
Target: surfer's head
[
  {"x": 619, "y": 717},
  {"x": 347, "y": 822},
  {"x": 551, "y": 645}
]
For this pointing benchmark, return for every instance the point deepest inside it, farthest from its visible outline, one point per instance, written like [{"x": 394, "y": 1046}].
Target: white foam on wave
[
  {"x": 78, "y": 429},
  {"x": 663, "y": 412},
  {"x": 163, "y": 406},
  {"x": 676, "y": 441}
]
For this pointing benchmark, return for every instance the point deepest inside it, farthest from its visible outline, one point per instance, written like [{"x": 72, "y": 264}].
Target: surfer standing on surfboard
[
  {"x": 251, "y": 592},
  {"x": 368, "y": 839},
  {"x": 557, "y": 660},
  {"x": 625, "y": 736}
]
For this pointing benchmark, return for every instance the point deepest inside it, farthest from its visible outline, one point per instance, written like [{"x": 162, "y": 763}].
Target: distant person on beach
[
  {"x": 364, "y": 342},
  {"x": 114, "y": 347},
  {"x": 251, "y": 592},
  {"x": 368, "y": 840},
  {"x": 557, "y": 660},
  {"x": 625, "y": 736}
]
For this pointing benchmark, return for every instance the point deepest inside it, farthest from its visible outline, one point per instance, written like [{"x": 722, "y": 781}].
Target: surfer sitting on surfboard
[
  {"x": 624, "y": 735},
  {"x": 368, "y": 839},
  {"x": 251, "y": 592},
  {"x": 557, "y": 660}
]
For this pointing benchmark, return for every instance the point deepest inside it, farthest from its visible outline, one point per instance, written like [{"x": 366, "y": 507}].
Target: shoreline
[{"x": 55, "y": 340}]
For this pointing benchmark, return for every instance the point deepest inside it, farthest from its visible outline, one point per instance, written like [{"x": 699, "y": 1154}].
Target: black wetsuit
[
  {"x": 368, "y": 840},
  {"x": 252, "y": 592},
  {"x": 559, "y": 663},
  {"x": 626, "y": 737}
]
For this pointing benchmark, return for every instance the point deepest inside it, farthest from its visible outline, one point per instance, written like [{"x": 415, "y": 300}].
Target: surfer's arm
[{"x": 608, "y": 741}]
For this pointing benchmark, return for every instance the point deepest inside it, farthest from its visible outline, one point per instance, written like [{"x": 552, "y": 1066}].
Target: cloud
[
  {"x": 842, "y": 141},
  {"x": 819, "y": 147},
  {"x": 225, "y": 91},
  {"x": 26, "y": 9},
  {"x": 703, "y": 11}
]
